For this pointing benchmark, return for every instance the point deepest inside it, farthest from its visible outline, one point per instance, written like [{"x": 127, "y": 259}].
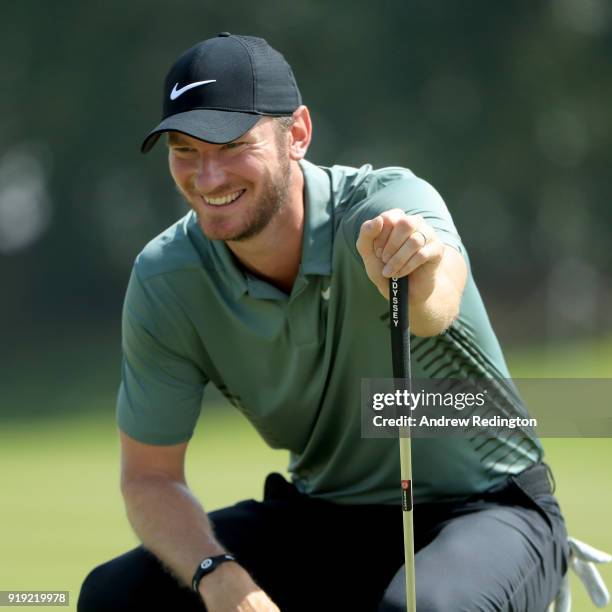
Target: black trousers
[{"x": 502, "y": 550}]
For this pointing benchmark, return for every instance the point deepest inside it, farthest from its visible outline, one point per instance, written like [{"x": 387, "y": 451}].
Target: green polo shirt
[{"x": 293, "y": 364}]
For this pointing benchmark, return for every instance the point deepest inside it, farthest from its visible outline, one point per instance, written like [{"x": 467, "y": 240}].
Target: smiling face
[{"x": 235, "y": 188}]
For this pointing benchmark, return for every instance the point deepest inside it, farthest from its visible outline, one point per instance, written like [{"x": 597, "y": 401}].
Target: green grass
[
  {"x": 581, "y": 466},
  {"x": 61, "y": 511},
  {"x": 575, "y": 360}
]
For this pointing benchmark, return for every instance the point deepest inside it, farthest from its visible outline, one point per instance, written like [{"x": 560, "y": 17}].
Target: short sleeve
[
  {"x": 411, "y": 194},
  {"x": 161, "y": 386}
]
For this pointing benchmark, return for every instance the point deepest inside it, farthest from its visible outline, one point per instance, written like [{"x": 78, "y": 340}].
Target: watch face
[{"x": 206, "y": 563}]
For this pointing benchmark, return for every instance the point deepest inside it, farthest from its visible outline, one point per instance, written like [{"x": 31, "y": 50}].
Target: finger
[
  {"x": 411, "y": 245},
  {"x": 389, "y": 218},
  {"x": 367, "y": 234},
  {"x": 431, "y": 252},
  {"x": 403, "y": 228},
  {"x": 401, "y": 257},
  {"x": 258, "y": 600}
]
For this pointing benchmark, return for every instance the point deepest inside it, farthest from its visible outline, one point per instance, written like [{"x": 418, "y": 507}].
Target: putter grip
[{"x": 400, "y": 330}]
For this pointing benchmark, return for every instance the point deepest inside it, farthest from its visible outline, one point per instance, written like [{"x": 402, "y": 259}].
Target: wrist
[
  {"x": 227, "y": 578},
  {"x": 207, "y": 566}
]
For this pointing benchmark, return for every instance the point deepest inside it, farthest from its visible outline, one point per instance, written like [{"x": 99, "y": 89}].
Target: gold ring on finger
[{"x": 422, "y": 234}]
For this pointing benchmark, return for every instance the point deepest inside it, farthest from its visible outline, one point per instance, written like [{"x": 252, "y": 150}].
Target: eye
[
  {"x": 233, "y": 145},
  {"x": 183, "y": 151}
]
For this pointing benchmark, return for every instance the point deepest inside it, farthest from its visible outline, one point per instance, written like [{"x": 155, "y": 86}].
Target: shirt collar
[{"x": 317, "y": 238}]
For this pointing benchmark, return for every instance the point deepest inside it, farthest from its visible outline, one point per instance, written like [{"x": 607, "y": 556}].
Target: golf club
[{"x": 400, "y": 356}]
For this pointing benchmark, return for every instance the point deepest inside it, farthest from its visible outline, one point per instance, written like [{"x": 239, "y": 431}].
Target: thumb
[{"x": 367, "y": 234}]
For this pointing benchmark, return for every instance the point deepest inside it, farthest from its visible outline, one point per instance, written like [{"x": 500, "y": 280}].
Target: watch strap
[{"x": 206, "y": 566}]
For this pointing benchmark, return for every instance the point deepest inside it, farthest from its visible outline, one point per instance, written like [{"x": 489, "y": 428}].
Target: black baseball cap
[{"x": 218, "y": 89}]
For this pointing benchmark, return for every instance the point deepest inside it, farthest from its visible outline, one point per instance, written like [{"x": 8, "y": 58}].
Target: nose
[{"x": 210, "y": 174}]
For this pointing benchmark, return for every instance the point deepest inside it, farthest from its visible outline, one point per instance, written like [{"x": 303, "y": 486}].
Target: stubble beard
[
  {"x": 275, "y": 191},
  {"x": 271, "y": 201}
]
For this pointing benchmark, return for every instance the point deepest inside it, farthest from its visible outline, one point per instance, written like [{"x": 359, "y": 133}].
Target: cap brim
[{"x": 215, "y": 126}]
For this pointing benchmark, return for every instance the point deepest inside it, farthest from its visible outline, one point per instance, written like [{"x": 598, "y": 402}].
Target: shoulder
[
  {"x": 393, "y": 187},
  {"x": 369, "y": 192},
  {"x": 355, "y": 191},
  {"x": 175, "y": 249},
  {"x": 360, "y": 194},
  {"x": 351, "y": 185},
  {"x": 366, "y": 191},
  {"x": 161, "y": 285}
]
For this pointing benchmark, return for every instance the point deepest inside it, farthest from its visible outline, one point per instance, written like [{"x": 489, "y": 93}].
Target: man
[{"x": 274, "y": 288}]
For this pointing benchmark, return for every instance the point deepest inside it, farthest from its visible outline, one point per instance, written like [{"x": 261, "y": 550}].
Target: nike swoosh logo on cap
[{"x": 175, "y": 93}]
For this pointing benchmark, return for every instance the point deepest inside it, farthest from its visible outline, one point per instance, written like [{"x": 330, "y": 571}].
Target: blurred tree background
[{"x": 503, "y": 107}]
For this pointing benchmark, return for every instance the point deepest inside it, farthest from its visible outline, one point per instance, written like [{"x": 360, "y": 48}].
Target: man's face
[{"x": 235, "y": 188}]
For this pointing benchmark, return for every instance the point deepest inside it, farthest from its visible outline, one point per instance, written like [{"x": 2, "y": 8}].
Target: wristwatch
[{"x": 208, "y": 565}]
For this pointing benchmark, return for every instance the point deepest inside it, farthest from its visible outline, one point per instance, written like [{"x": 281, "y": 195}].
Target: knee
[
  {"x": 95, "y": 594},
  {"x": 431, "y": 596},
  {"x": 435, "y": 601},
  {"x": 425, "y": 602},
  {"x": 133, "y": 581}
]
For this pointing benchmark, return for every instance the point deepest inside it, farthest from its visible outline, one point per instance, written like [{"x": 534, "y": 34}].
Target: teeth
[{"x": 228, "y": 199}]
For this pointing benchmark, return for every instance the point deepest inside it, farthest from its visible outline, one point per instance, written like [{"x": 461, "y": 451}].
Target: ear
[{"x": 300, "y": 133}]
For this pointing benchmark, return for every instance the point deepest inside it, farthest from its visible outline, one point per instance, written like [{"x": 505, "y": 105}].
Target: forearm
[
  {"x": 435, "y": 298},
  {"x": 434, "y": 314},
  {"x": 171, "y": 523}
]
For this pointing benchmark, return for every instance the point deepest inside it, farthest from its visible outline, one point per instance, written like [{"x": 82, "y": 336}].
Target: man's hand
[
  {"x": 397, "y": 244},
  {"x": 231, "y": 589}
]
